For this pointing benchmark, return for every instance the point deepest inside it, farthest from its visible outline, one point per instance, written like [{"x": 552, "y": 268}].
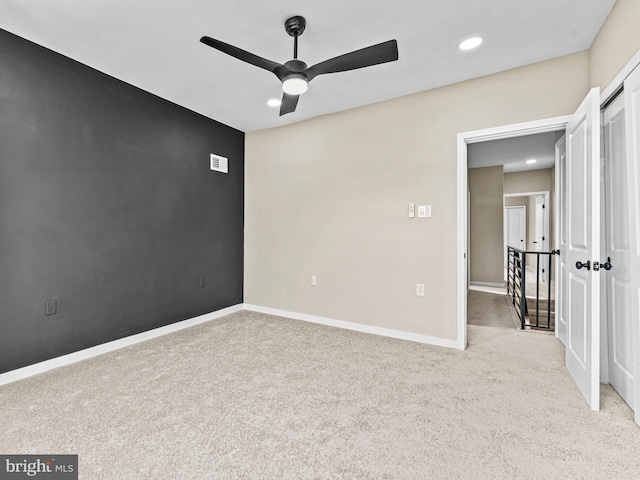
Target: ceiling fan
[{"x": 295, "y": 75}]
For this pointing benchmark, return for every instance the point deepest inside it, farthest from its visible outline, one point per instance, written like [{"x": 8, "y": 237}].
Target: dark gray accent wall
[{"x": 108, "y": 206}]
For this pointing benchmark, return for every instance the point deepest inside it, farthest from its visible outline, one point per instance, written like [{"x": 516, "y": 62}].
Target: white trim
[
  {"x": 506, "y": 131},
  {"x": 557, "y": 233},
  {"x": 488, "y": 284},
  {"x": 359, "y": 327},
  {"x": 45, "y": 366},
  {"x": 544, "y": 125},
  {"x": 41, "y": 367},
  {"x": 462, "y": 224},
  {"x": 527, "y": 194},
  {"x": 618, "y": 80}
]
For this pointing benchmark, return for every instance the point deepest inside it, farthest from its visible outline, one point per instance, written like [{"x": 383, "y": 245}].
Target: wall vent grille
[{"x": 219, "y": 163}]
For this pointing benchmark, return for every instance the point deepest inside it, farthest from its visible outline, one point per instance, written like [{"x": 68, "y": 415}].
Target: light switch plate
[{"x": 424, "y": 211}]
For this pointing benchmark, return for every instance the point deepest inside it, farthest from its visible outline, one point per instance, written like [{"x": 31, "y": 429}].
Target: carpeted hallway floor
[
  {"x": 490, "y": 310},
  {"x": 252, "y": 396}
]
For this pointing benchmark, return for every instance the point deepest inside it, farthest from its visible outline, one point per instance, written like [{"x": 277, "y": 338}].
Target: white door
[
  {"x": 632, "y": 121},
  {"x": 541, "y": 236},
  {"x": 617, "y": 280},
  {"x": 539, "y": 241},
  {"x": 583, "y": 248},
  {"x": 562, "y": 273},
  {"x": 515, "y": 221},
  {"x": 516, "y": 218}
]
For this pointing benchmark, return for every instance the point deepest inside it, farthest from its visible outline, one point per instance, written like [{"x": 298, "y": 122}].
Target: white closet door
[
  {"x": 617, "y": 280},
  {"x": 632, "y": 121},
  {"x": 583, "y": 248}
]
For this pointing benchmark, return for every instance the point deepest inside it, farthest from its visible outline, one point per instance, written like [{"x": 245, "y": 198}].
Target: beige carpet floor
[
  {"x": 489, "y": 309},
  {"x": 252, "y": 396}
]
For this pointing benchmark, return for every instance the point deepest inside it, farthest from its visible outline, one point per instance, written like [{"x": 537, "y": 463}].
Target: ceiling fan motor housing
[
  {"x": 295, "y": 25},
  {"x": 296, "y": 65}
]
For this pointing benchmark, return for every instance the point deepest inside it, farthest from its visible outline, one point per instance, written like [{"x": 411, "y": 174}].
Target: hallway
[{"x": 490, "y": 309}]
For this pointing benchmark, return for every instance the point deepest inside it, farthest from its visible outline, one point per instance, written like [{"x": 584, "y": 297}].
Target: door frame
[
  {"x": 546, "y": 246},
  {"x": 546, "y": 227},
  {"x": 557, "y": 216},
  {"x": 546, "y": 125}
]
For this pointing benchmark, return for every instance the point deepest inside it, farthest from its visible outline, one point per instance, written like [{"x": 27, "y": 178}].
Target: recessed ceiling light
[
  {"x": 471, "y": 43},
  {"x": 274, "y": 102},
  {"x": 532, "y": 160}
]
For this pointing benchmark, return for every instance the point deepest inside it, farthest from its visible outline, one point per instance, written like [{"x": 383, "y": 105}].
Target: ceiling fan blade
[
  {"x": 365, "y": 57},
  {"x": 289, "y": 103},
  {"x": 243, "y": 55}
]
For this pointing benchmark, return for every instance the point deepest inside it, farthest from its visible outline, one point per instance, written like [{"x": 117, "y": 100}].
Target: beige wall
[
  {"x": 486, "y": 213},
  {"x": 616, "y": 43},
  {"x": 328, "y": 197},
  {"x": 530, "y": 181},
  {"x": 516, "y": 201}
]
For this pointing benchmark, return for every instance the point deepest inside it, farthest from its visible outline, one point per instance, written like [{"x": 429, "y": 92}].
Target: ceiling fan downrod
[{"x": 295, "y": 27}]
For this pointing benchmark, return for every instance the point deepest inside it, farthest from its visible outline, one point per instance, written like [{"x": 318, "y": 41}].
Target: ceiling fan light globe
[{"x": 294, "y": 85}]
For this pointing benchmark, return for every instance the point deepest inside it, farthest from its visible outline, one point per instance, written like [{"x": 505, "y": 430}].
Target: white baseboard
[
  {"x": 488, "y": 284},
  {"x": 74, "y": 357},
  {"x": 41, "y": 367},
  {"x": 385, "y": 332}
]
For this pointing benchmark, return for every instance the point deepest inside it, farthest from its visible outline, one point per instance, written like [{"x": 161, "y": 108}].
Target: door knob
[
  {"x": 587, "y": 265},
  {"x": 607, "y": 265}
]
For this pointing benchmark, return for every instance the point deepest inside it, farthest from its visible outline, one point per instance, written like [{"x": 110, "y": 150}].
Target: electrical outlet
[
  {"x": 314, "y": 280},
  {"x": 50, "y": 307},
  {"x": 203, "y": 282},
  {"x": 420, "y": 289}
]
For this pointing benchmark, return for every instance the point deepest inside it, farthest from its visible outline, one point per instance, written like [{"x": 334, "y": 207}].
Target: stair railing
[{"x": 517, "y": 286}]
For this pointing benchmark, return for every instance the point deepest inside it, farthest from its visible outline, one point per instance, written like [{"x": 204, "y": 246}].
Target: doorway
[
  {"x": 464, "y": 139},
  {"x": 537, "y": 234},
  {"x": 581, "y": 161},
  {"x": 515, "y": 228}
]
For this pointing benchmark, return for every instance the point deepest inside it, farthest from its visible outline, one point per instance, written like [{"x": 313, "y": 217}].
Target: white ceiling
[
  {"x": 513, "y": 153},
  {"x": 155, "y": 46}
]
